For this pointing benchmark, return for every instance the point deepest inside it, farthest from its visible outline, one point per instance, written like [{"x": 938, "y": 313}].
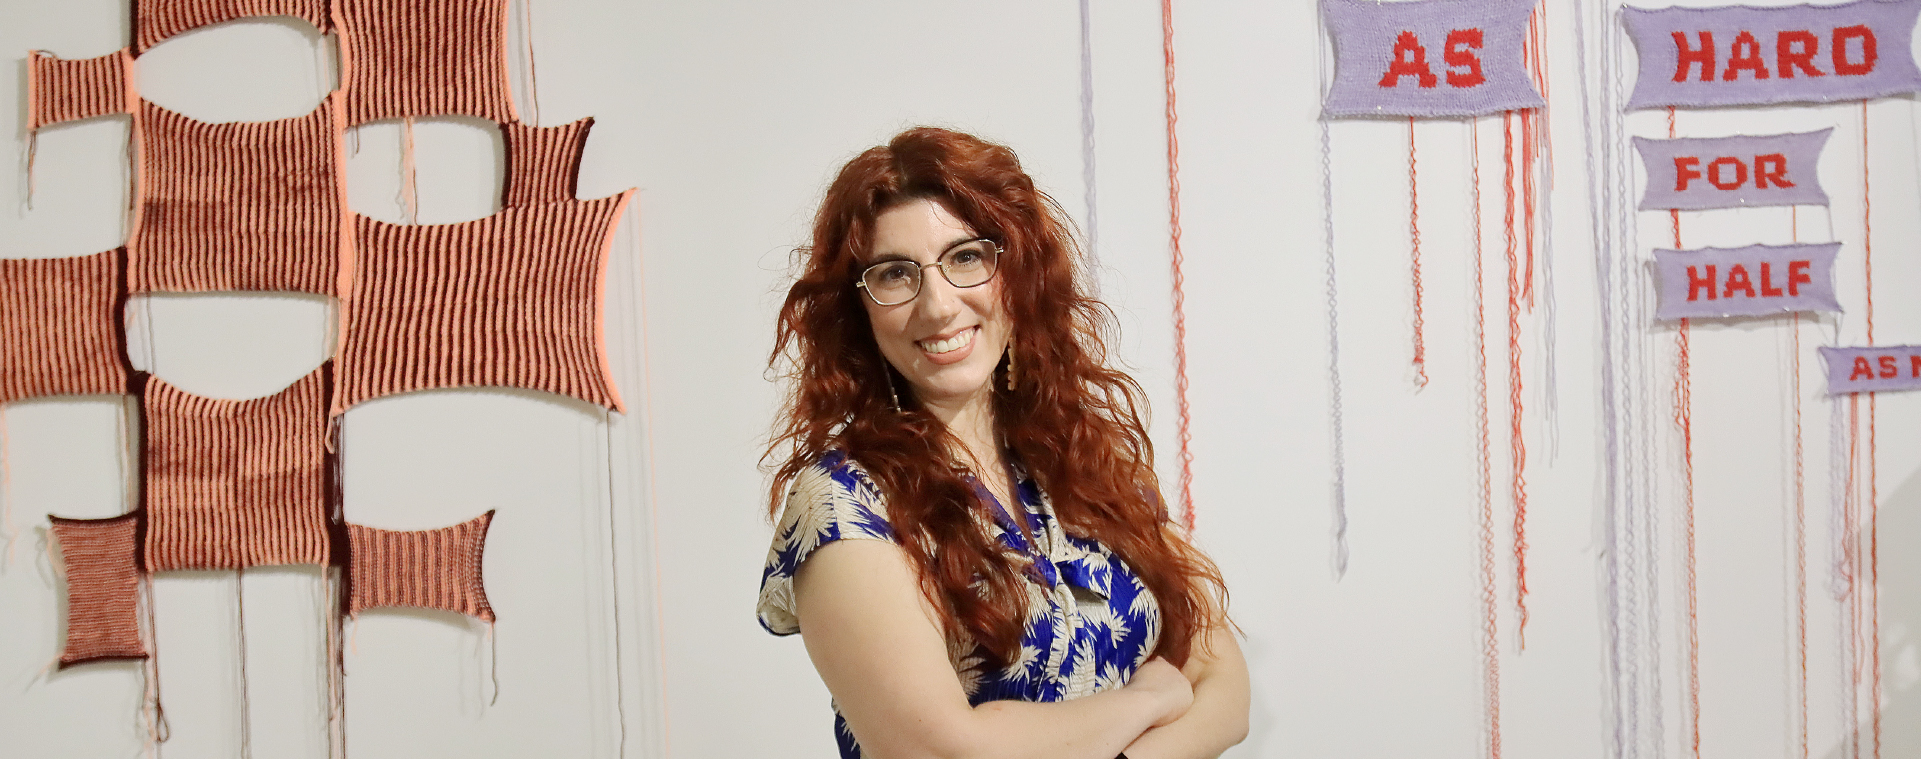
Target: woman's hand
[{"x": 1169, "y": 688}]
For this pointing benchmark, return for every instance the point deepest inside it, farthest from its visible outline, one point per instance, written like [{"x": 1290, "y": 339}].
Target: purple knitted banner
[
  {"x": 1691, "y": 174},
  {"x": 1428, "y": 57},
  {"x": 1860, "y": 370},
  {"x": 1737, "y": 55},
  {"x": 1758, "y": 280}
]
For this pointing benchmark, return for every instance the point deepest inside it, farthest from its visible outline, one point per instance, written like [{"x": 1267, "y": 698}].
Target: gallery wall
[{"x": 626, "y": 552}]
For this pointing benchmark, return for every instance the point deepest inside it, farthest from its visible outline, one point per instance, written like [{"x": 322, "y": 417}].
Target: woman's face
[{"x": 947, "y": 340}]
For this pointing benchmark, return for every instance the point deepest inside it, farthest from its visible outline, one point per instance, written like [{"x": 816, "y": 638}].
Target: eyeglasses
[{"x": 970, "y": 263}]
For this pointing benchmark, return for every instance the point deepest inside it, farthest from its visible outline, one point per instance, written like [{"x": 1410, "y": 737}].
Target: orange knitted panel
[
  {"x": 103, "y": 588},
  {"x": 234, "y": 484},
  {"x": 511, "y": 300},
  {"x": 428, "y": 569},
  {"x": 60, "y": 90},
  {"x": 543, "y": 163},
  {"x": 61, "y": 333},
  {"x": 238, "y": 206},
  {"x": 401, "y": 58},
  {"x": 156, "y": 20}
]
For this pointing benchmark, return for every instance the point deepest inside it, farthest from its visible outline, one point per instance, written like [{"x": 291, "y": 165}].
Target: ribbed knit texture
[
  {"x": 61, "y": 90},
  {"x": 156, "y": 20},
  {"x": 401, "y": 58},
  {"x": 511, "y": 300},
  {"x": 428, "y": 569},
  {"x": 234, "y": 484},
  {"x": 238, "y": 206},
  {"x": 61, "y": 332},
  {"x": 543, "y": 163},
  {"x": 103, "y": 588}
]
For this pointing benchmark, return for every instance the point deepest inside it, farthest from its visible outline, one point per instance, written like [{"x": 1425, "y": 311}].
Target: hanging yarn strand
[
  {"x": 1874, "y": 486},
  {"x": 1800, "y": 537},
  {"x": 1088, "y": 185},
  {"x": 527, "y": 46},
  {"x": 1684, "y": 422},
  {"x": 1335, "y": 421},
  {"x": 1179, "y": 280},
  {"x": 1517, "y": 446},
  {"x": 1490, "y": 594},
  {"x": 1414, "y": 243},
  {"x": 613, "y": 575},
  {"x": 409, "y": 193}
]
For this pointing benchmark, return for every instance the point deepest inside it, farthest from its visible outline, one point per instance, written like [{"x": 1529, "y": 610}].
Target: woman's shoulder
[
  {"x": 832, "y": 499},
  {"x": 835, "y": 494}
]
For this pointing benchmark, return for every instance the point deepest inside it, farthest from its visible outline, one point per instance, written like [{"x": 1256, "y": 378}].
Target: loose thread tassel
[
  {"x": 1414, "y": 238},
  {"x": 409, "y": 192}
]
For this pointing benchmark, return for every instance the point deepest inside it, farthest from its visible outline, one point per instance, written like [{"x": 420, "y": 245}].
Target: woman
[{"x": 948, "y": 376}]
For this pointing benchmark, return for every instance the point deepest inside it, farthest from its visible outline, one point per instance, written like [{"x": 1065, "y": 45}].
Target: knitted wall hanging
[
  {"x": 59, "y": 90},
  {"x": 236, "y": 484},
  {"x": 511, "y": 300},
  {"x": 424, "y": 569},
  {"x": 103, "y": 588},
  {"x": 1757, "y": 280},
  {"x": 1692, "y": 174},
  {"x": 237, "y": 206},
  {"x": 1429, "y": 58},
  {"x": 543, "y": 163},
  {"x": 1452, "y": 58},
  {"x": 409, "y": 58},
  {"x": 1738, "y": 55},
  {"x": 156, "y": 20},
  {"x": 1872, "y": 369},
  {"x": 63, "y": 331}
]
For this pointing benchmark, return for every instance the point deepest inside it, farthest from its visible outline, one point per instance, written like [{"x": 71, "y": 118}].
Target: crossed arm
[{"x": 876, "y": 643}]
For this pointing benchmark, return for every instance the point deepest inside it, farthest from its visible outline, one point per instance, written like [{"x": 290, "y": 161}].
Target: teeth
[{"x": 954, "y": 343}]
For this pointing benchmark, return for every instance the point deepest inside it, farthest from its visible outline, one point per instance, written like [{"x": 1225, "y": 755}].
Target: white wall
[{"x": 731, "y": 117}]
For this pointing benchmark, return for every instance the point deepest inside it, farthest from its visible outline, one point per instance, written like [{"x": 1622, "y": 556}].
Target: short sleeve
[{"x": 831, "y": 500}]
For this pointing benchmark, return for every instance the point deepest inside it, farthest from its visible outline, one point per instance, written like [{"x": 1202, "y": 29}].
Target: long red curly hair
[{"x": 1072, "y": 422}]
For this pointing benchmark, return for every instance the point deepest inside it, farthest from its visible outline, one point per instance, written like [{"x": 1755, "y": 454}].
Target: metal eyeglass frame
[{"x": 921, "y": 280}]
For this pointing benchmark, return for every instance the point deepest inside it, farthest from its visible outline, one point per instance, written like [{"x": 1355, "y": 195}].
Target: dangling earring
[
  {"x": 1010, "y": 365},
  {"x": 889, "y": 374}
]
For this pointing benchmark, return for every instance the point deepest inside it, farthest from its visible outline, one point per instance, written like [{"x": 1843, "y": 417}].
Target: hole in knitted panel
[
  {"x": 254, "y": 69},
  {"x": 230, "y": 345},
  {"x": 457, "y": 165}
]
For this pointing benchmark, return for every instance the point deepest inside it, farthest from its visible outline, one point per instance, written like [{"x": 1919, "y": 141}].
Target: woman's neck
[{"x": 971, "y": 421}]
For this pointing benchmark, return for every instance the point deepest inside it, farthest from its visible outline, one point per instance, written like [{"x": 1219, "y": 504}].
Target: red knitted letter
[{"x": 1410, "y": 59}]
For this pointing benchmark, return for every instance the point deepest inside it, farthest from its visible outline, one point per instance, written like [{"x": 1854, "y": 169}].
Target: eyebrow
[{"x": 885, "y": 257}]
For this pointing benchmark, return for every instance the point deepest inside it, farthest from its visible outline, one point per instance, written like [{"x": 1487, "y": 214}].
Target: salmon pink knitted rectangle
[
  {"x": 103, "y": 588},
  {"x": 61, "y": 90},
  {"x": 235, "y": 484},
  {"x": 237, "y": 206},
  {"x": 427, "y": 569},
  {"x": 543, "y": 163},
  {"x": 406, "y": 58},
  {"x": 156, "y": 20},
  {"x": 62, "y": 332},
  {"x": 512, "y": 300}
]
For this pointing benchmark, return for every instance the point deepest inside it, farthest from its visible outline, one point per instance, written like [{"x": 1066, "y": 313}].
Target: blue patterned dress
[{"x": 1090, "y": 621}]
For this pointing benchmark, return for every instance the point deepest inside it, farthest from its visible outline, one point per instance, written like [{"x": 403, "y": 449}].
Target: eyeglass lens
[{"x": 969, "y": 264}]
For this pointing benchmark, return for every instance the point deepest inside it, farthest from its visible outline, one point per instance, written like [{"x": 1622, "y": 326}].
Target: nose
[{"x": 939, "y": 299}]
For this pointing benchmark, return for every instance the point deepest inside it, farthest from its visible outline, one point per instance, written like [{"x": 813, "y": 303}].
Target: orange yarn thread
[
  {"x": 1490, "y": 600},
  {"x": 1180, "y": 297},
  {"x": 1874, "y": 478},
  {"x": 1414, "y": 232},
  {"x": 1517, "y": 446},
  {"x": 1684, "y": 419}
]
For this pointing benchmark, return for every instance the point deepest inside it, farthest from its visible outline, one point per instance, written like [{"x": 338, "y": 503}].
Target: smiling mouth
[{"x": 949, "y": 345}]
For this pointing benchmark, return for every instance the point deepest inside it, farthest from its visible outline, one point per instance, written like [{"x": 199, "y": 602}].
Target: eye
[{"x": 898, "y": 272}]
